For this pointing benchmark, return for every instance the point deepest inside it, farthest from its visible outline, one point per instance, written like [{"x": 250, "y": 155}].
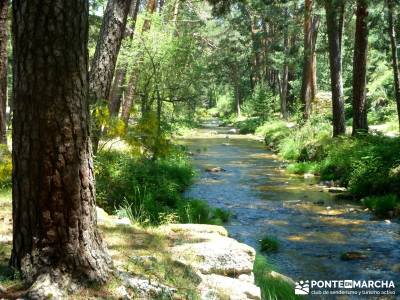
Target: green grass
[
  {"x": 149, "y": 192},
  {"x": 269, "y": 244},
  {"x": 271, "y": 288},
  {"x": 368, "y": 165}
]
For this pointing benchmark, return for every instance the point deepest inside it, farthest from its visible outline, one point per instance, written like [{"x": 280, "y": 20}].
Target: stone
[
  {"x": 336, "y": 189},
  {"x": 224, "y": 256},
  {"x": 282, "y": 277},
  {"x": 122, "y": 293},
  {"x": 122, "y": 221},
  {"x": 246, "y": 277},
  {"x": 308, "y": 175},
  {"x": 215, "y": 169},
  {"x": 353, "y": 255},
  {"x": 221, "y": 287},
  {"x": 233, "y": 130},
  {"x": 144, "y": 287}
]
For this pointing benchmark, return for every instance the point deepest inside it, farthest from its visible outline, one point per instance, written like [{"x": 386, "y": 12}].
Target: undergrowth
[
  {"x": 148, "y": 191},
  {"x": 368, "y": 164}
]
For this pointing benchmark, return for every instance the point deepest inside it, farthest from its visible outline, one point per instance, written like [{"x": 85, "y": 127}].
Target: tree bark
[
  {"x": 107, "y": 48},
  {"x": 3, "y": 70},
  {"x": 334, "y": 19},
  {"x": 309, "y": 81},
  {"x": 54, "y": 212},
  {"x": 395, "y": 59},
  {"x": 360, "y": 69},
  {"x": 134, "y": 76},
  {"x": 118, "y": 88},
  {"x": 285, "y": 73}
]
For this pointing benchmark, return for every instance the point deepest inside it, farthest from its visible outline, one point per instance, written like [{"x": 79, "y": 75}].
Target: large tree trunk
[
  {"x": 107, "y": 48},
  {"x": 334, "y": 21},
  {"x": 395, "y": 59},
  {"x": 54, "y": 212},
  {"x": 308, "y": 88},
  {"x": 3, "y": 70},
  {"x": 360, "y": 69}
]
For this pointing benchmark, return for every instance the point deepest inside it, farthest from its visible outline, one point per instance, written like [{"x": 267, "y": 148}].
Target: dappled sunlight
[{"x": 319, "y": 237}]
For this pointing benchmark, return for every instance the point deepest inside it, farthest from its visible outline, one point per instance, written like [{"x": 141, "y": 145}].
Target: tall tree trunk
[
  {"x": 54, "y": 212},
  {"x": 315, "y": 28},
  {"x": 334, "y": 19},
  {"x": 395, "y": 59},
  {"x": 118, "y": 88},
  {"x": 134, "y": 74},
  {"x": 3, "y": 70},
  {"x": 360, "y": 68},
  {"x": 105, "y": 57},
  {"x": 309, "y": 81},
  {"x": 285, "y": 76},
  {"x": 107, "y": 48}
]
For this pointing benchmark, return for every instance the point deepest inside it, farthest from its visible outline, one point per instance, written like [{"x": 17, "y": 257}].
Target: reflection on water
[{"x": 312, "y": 227}]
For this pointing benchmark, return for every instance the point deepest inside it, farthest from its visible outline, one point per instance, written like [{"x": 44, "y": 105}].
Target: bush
[
  {"x": 149, "y": 192},
  {"x": 5, "y": 167},
  {"x": 382, "y": 205},
  {"x": 367, "y": 164},
  {"x": 269, "y": 244}
]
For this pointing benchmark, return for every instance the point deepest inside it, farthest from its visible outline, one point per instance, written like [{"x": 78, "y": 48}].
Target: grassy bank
[
  {"x": 368, "y": 165},
  {"x": 149, "y": 192},
  {"x": 271, "y": 288}
]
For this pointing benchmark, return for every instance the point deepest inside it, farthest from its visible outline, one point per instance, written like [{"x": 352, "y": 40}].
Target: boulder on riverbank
[{"x": 224, "y": 265}]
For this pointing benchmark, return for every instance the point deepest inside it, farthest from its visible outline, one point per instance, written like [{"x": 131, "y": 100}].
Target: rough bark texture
[
  {"x": 306, "y": 89},
  {"x": 395, "y": 59},
  {"x": 118, "y": 88},
  {"x": 107, "y": 48},
  {"x": 54, "y": 213},
  {"x": 285, "y": 73},
  {"x": 309, "y": 81},
  {"x": 333, "y": 21},
  {"x": 360, "y": 69},
  {"x": 134, "y": 74},
  {"x": 3, "y": 69}
]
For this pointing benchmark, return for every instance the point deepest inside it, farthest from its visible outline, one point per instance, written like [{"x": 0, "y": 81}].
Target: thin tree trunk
[
  {"x": 360, "y": 69},
  {"x": 134, "y": 76},
  {"x": 334, "y": 20},
  {"x": 395, "y": 59},
  {"x": 315, "y": 28},
  {"x": 107, "y": 48},
  {"x": 54, "y": 212},
  {"x": 309, "y": 81},
  {"x": 3, "y": 70},
  {"x": 285, "y": 71}
]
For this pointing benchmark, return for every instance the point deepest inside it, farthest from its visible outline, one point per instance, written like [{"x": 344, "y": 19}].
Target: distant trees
[
  {"x": 3, "y": 69},
  {"x": 54, "y": 215},
  {"x": 360, "y": 68}
]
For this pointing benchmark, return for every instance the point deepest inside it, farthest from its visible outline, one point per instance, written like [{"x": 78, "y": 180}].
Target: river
[{"x": 313, "y": 228}]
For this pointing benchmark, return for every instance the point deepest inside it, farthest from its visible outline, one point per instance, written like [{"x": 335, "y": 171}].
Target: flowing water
[{"x": 312, "y": 227}]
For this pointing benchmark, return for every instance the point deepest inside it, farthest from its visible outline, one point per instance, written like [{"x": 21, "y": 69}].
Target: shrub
[
  {"x": 149, "y": 192},
  {"x": 382, "y": 205},
  {"x": 269, "y": 244},
  {"x": 5, "y": 167}
]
